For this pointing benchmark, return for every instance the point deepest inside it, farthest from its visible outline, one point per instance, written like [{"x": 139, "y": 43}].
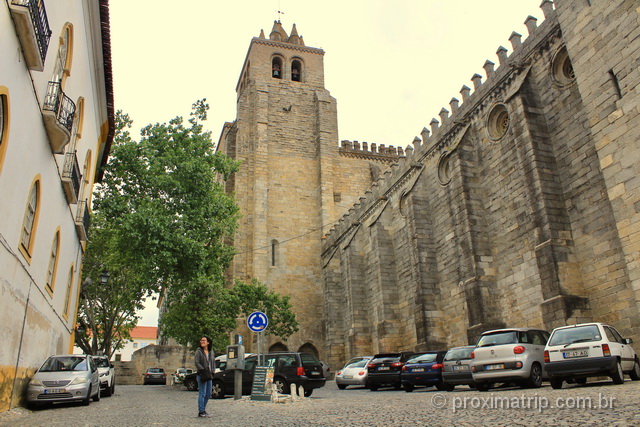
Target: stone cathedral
[{"x": 519, "y": 206}]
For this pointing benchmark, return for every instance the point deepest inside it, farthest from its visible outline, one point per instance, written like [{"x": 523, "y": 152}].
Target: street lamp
[{"x": 104, "y": 277}]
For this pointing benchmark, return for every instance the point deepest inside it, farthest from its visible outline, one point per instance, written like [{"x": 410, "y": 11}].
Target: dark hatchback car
[
  {"x": 457, "y": 367},
  {"x": 301, "y": 369},
  {"x": 155, "y": 376},
  {"x": 384, "y": 370},
  {"x": 423, "y": 369}
]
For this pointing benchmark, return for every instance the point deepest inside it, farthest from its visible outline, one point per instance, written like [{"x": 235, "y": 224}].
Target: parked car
[
  {"x": 107, "y": 375},
  {"x": 301, "y": 369},
  {"x": 509, "y": 355},
  {"x": 65, "y": 378},
  {"x": 384, "y": 370},
  {"x": 178, "y": 376},
  {"x": 457, "y": 367},
  {"x": 224, "y": 379},
  {"x": 423, "y": 369},
  {"x": 155, "y": 376},
  {"x": 574, "y": 353},
  {"x": 354, "y": 372}
]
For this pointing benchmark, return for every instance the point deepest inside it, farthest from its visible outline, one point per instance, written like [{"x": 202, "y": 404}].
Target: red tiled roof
[{"x": 145, "y": 332}]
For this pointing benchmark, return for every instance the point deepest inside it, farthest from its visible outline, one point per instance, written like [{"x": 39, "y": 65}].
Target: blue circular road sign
[{"x": 257, "y": 321}]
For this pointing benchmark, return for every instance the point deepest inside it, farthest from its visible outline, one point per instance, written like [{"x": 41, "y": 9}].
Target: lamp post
[{"x": 104, "y": 277}]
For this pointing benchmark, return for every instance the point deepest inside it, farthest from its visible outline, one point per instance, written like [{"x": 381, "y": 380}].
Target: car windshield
[
  {"x": 65, "y": 363},
  {"x": 458, "y": 354},
  {"x": 498, "y": 338},
  {"x": 422, "y": 358},
  {"x": 578, "y": 334},
  {"x": 360, "y": 363},
  {"x": 102, "y": 362}
]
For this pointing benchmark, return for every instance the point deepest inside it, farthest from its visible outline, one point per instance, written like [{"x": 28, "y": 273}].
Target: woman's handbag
[{"x": 204, "y": 374}]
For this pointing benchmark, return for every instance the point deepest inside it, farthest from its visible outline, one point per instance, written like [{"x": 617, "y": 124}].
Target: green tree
[
  {"x": 161, "y": 223},
  {"x": 212, "y": 309}
]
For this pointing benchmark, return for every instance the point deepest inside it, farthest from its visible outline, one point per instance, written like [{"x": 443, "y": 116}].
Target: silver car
[
  {"x": 509, "y": 355},
  {"x": 354, "y": 372},
  {"x": 65, "y": 378}
]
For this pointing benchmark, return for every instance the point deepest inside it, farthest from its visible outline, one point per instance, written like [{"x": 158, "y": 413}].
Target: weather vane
[{"x": 280, "y": 12}]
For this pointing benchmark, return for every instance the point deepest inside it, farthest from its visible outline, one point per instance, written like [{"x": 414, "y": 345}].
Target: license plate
[
  {"x": 54, "y": 390},
  {"x": 575, "y": 353},
  {"x": 418, "y": 370},
  {"x": 383, "y": 368},
  {"x": 315, "y": 373},
  {"x": 461, "y": 368},
  {"x": 494, "y": 367},
  {"x": 347, "y": 377}
]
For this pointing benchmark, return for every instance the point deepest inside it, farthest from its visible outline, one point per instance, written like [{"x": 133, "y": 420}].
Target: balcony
[
  {"x": 58, "y": 111},
  {"x": 82, "y": 220},
  {"x": 32, "y": 26},
  {"x": 71, "y": 177}
]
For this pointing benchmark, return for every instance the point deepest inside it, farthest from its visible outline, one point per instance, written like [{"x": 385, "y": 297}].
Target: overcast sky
[{"x": 391, "y": 65}]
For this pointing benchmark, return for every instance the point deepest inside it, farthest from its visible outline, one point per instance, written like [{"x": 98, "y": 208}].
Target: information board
[{"x": 262, "y": 383}]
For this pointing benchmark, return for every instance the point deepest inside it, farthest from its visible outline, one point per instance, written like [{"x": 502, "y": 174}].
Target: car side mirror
[{"x": 627, "y": 340}]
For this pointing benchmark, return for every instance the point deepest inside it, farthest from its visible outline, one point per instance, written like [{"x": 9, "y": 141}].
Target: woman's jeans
[{"x": 204, "y": 393}]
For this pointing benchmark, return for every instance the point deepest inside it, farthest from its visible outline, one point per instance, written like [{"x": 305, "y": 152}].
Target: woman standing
[{"x": 204, "y": 365}]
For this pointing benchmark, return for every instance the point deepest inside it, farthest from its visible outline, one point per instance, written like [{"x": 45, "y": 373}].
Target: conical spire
[
  {"x": 278, "y": 33},
  {"x": 294, "y": 38}
]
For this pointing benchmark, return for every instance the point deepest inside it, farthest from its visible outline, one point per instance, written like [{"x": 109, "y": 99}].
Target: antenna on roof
[{"x": 279, "y": 11}]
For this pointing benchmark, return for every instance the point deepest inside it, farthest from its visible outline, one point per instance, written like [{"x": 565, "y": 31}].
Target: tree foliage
[
  {"x": 161, "y": 222},
  {"x": 213, "y": 310}
]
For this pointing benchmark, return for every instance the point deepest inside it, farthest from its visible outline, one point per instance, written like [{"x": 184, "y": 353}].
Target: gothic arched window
[
  {"x": 296, "y": 71},
  {"x": 276, "y": 68}
]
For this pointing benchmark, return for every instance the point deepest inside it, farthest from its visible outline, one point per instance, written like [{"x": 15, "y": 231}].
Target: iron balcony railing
[
  {"x": 63, "y": 107},
  {"x": 40, "y": 22},
  {"x": 71, "y": 174},
  {"x": 82, "y": 220}
]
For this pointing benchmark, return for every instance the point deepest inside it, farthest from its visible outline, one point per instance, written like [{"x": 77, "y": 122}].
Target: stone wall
[{"x": 515, "y": 211}]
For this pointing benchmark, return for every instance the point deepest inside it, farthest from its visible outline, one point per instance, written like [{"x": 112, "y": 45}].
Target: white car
[
  {"x": 514, "y": 355},
  {"x": 107, "y": 375},
  {"x": 576, "y": 352},
  {"x": 354, "y": 372}
]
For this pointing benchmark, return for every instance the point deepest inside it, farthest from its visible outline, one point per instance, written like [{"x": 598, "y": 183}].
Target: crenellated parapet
[
  {"x": 372, "y": 151},
  {"x": 503, "y": 80}
]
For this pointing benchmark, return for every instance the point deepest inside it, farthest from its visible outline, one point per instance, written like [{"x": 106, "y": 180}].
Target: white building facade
[{"x": 56, "y": 127}]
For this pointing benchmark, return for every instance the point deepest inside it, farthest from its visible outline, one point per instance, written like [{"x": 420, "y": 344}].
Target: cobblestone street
[{"x": 597, "y": 403}]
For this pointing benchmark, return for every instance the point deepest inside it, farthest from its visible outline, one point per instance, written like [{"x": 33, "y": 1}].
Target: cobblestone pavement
[{"x": 597, "y": 403}]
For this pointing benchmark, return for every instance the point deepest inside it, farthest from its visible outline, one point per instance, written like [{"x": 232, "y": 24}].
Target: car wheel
[
  {"x": 96, "y": 398},
  {"x": 618, "y": 376},
  {"x": 217, "y": 390},
  {"x": 113, "y": 386},
  {"x": 191, "y": 384},
  {"x": 483, "y": 386},
  {"x": 581, "y": 380},
  {"x": 342, "y": 386},
  {"x": 373, "y": 387},
  {"x": 308, "y": 393},
  {"x": 449, "y": 387},
  {"x": 635, "y": 372},
  {"x": 408, "y": 387},
  {"x": 556, "y": 383},
  {"x": 535, "y": 377},
  {"x": 281, "y": 386}
]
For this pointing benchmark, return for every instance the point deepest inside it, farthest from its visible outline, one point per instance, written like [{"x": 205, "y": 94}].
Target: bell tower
[{"x": 286, "y": 136}]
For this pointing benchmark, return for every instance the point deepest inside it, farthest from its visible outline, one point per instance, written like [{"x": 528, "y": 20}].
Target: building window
[
  {"x": 53, "y": 263},
  {"x": 4, "y": 122},
  {"x": 498, "y": 121},
  {"x": 67, "y": 297},
  {"x": 274, "y": 252},
  {"x": 276, "y": 68},
  {"x": 63, "y": 61},
  {"x": 135, "y": 345},
  {"x": 444, "y": 169},
  {"x": 561, "y": 68},
  {"x": 296, "y": 71},
  {"x": 30, "y": 221}
]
